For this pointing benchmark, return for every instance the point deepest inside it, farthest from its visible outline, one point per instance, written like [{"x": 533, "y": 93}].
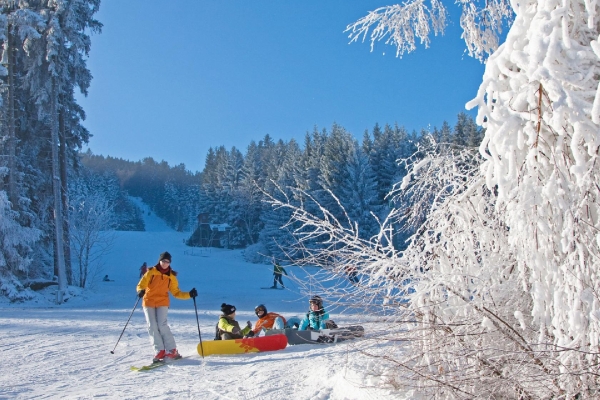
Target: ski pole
[
  {"x": 126, "y": 323},
  {"x": 198, "y": 323}
]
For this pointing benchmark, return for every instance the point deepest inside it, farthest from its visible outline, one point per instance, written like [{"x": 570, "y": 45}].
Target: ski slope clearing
[{"x": 64, "y": 351}]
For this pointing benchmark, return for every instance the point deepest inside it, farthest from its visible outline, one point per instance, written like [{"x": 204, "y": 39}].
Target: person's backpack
[{"x": 217, "y": 333}]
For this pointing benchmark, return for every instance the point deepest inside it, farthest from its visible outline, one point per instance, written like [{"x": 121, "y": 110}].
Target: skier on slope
[
  {"x": 277, "y": 275},
  {"x": 154, "y": 287}
]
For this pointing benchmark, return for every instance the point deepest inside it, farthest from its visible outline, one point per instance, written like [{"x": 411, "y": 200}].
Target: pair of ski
[{"x": 156, "y": 364}]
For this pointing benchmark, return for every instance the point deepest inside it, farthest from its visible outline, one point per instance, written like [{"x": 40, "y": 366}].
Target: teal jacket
[{"x": 314, "y": 320}]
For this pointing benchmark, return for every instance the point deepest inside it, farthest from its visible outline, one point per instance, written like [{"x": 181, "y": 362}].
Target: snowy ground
[{"x": 64, "y": 351}]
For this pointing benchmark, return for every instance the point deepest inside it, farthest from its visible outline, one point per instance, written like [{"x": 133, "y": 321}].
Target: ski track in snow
[{"x": 64, "y": 351}]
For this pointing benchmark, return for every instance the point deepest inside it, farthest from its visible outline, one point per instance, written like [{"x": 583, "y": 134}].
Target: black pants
[
  {"x": 278, "y": 277},
  {"x": 229, "y": 336}
]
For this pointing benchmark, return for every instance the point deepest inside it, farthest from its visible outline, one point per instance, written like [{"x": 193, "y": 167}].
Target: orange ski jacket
[
  {"x": 267, "y": 322},
  {"x": 158, "y": 285}
]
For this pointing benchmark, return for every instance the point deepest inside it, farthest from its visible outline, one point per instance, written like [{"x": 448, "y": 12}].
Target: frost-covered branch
[{"x": 403, "y": 25}]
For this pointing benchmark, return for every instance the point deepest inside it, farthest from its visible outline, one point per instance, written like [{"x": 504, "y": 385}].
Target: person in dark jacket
[
  {"x": 277, "y": 275},
  {"x": 154, "y": 287},
  {"x": 228, "y": 328},
  {"x": 352, "y": 272}
]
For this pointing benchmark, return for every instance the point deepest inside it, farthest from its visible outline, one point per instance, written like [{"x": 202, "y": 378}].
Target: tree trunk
[
  {"x": 56, "y": 190},
  {"x": 13, "y": 195},
  {"x": 65, "y": 195}
]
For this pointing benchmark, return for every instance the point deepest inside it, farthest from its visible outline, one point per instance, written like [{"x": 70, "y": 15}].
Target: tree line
[
  {"x": 48, "y": 186},
  {"x": 330, "y": 165}
]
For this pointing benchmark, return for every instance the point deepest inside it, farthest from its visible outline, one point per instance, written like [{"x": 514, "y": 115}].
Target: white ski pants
[{"x": 158, "y": 328}]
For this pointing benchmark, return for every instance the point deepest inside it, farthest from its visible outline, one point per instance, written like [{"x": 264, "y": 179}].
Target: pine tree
[{"x": 359, "y": 194}]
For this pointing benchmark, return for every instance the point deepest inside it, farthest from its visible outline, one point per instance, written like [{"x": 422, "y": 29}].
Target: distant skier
[
  {"x": 277, "y": 275},
  {"x": 352, "y": 273},
  {"x": 154, "y": 287},
  {"x": 143, "y": 269},
  {"x": 106, "y": 279}
]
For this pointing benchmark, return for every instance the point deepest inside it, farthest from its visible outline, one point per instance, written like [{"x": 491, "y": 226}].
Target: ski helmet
[
  {"x": 260, "y": 307},
  {"x": 317, "y": 300}
]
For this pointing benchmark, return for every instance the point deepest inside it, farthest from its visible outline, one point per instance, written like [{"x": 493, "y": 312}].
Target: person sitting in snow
[
  {"x": 271, "y": 320},
  {"x": 317, "y": 317},
  {"x": 154, "y": 287},
  {"x": 228, "y": 328},
  {"x": 267, "y": 320}
]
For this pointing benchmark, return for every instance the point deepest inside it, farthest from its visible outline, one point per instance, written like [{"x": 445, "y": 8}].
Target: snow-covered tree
[
  {"x": 45, "y": 46},
  {"x": 15, "y": 250},
  {"x": 359, "y": 194},
  {"x": 499, "y": 284}
]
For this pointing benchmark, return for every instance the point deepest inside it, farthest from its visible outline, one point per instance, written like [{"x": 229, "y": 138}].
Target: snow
[{"x": 65, "y": 351}]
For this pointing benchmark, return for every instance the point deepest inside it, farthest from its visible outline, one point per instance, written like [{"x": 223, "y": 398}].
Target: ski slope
[{"x": 64, "y": 351}]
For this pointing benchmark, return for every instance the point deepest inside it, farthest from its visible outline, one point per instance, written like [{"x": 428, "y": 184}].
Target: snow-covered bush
[
  {"x": 15, "y": 240},
  {"x": 456, "y": 300},
  {"x": 12, "y": 289},
  {"x": 93, "y": 219},
  {"x": 496, "y": 294},
  {"x": 256, "y": 254}
]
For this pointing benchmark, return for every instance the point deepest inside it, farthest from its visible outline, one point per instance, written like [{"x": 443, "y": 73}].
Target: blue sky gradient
[{"x": 172, "y": 79}]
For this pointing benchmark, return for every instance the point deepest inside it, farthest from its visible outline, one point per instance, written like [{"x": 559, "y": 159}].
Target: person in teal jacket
[{"x": 316, "y": 318}]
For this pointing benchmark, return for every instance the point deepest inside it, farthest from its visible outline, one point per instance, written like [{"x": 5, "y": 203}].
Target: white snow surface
[{"x": 65, "y": 351}]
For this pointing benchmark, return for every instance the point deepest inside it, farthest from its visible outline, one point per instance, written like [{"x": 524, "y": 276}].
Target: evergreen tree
[{"x": 359, "y": 194}]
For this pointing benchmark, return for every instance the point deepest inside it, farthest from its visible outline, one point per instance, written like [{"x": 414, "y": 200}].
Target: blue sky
[{"x": 172, "y": 79}]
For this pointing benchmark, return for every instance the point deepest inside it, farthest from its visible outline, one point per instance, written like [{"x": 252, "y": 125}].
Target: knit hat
[
  {"x": 227, "y": 309},
  {"x": 164, "y": 256}
]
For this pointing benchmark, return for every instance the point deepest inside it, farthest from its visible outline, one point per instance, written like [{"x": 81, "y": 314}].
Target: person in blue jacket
[{"x": 317, "y": 317}]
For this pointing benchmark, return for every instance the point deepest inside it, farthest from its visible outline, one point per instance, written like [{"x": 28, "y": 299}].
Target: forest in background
[
  {"x": 231, "y": 189},
  {"x": 57, "y": 204}
]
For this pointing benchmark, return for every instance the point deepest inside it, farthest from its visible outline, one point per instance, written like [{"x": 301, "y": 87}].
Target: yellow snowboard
[{"x": 241, "y": 346}]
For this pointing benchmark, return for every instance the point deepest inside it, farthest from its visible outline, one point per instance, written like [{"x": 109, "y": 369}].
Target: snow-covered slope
[{"x": 64, "y": 351}]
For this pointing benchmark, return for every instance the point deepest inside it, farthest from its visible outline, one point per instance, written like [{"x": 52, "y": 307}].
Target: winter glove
[
  {"x": 141, "y": 293},
  {"x": 249, "y": 325},
  {"x": 235, "y": 330},
  {"x": 249, "y": 334},
  {"x": 193, "y": 293}
]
